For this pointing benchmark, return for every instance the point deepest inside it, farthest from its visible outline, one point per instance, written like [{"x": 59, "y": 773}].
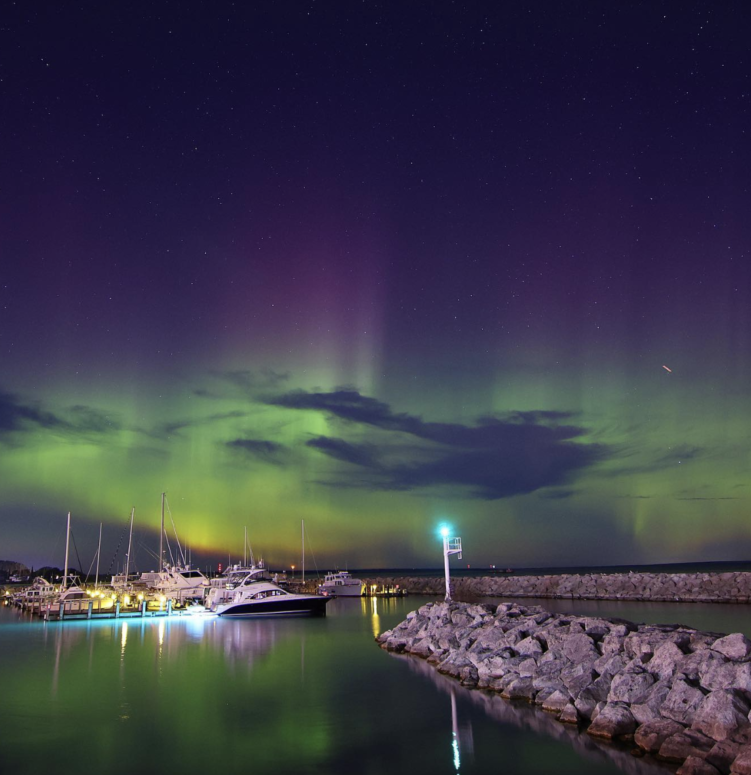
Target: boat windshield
[
  {"x": 268, "y": 593},
  {"x": 191, "y": 574}
]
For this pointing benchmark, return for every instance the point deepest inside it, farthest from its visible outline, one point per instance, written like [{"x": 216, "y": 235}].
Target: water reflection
[
  {"x": 298, "y": 697},
  {"x": 460, "y": 738},
  {"x": 531, "y": 718}
]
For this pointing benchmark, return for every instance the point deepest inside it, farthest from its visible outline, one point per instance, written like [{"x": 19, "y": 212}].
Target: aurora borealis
[{"x": 377, "y": 267}]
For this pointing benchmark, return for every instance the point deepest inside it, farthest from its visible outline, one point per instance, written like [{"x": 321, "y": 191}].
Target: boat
[
  {"x": 253, "y": 597},
  {"x": 222, "y": 588},
  {"x": 40, "y": 591},
  {"x": 176, "y": 581},
  {"x": 180, "y": 583},
  {"x": 71, "y": 597},
  {"x": 340, "y": 584}
]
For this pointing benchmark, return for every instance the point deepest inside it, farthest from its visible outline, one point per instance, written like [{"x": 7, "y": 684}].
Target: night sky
[{"x": 377, "y": 266}]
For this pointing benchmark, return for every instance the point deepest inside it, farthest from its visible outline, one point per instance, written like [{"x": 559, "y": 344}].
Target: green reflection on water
[{"x": 303, "y": 696}]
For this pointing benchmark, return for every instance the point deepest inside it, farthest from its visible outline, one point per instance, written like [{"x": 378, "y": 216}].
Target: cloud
[
  {"x": 687, "y": 498},
  {"x": 498, "y": 457},
  {"x": 351, "y": 406},
  {"x": 260, "y": 449},
  {"x": 173, "y": 428},
  {"x": 16, "y": 416},
  {"x": 557, "y": 494},
  {"x": 19, "y": 417},
  {"x": 357, "y": 454},
  {"x": 674, "y": 457}
]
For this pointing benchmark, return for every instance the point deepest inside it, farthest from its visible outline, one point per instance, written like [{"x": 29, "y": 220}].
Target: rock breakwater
[
  {"x": 683, "y": 695},
  {"x": 678, "y": 587}
]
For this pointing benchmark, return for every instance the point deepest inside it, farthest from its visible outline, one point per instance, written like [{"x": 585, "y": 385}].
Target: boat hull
[
  {"x": 348, "y": 590},
  {"x": 298, "y": 606}
]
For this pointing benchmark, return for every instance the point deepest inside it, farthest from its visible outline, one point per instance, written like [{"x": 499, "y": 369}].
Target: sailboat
[
  {"x": 70, "y": 595},
  {"x": 176, "y": 581}
]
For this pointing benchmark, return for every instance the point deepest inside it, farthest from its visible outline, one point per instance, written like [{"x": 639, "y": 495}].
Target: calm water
[{"x": 304, "y": 696}]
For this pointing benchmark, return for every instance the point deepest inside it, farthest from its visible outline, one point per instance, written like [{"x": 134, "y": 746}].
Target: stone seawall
[
  {"x": 677, "y": 587},
  {"x": 682, "y": 695}
]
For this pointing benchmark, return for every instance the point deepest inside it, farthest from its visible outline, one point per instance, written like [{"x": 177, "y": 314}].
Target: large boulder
[
  {"x": 647, "y": 707},
  {"x": 723, "y": 754},
  {"x": 653, "y": 734},
  {"x": 721, "y": 713},
  {"x": 628, "y": 687},
  {"x": 696, "y": 766},
  {"x": 735, "y": 646},
  {"x": 614, "y": 720},
  {"x": 682, "y": 702},
  {"x": 665, "y": 660},
  {"x": 742, "y": 763},
  {"x": 580, "y": 649},
  {"x": 529, "y": 646},
  {"x": 578, "y": 677},
  {"x": 556, "y": 701},
  {"x": 680, "y": 746},
  {"x": 520, "y": 689}
]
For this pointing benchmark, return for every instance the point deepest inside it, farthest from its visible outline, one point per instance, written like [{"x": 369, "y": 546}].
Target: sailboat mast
[
  {"x": 98, "y": 554},
  {"x": 130, "y": 544},
  {"x": 303, "y": 551},
  {"x": 67, "y": 548},
  {"x": 245, "y": 550},
  {"x": 161, "y": 540}
]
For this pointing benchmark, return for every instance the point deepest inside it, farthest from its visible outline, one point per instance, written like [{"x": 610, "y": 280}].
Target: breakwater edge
[
  {"x": 730, "y": 587},
  {"x": 682, "y": 695}
]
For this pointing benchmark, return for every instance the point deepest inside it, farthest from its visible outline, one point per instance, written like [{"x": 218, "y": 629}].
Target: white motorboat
[
  {"x": 70, "y": 598},
  {"x": 180, "y": 583},
  {"x": 40, "y": 591},
  {"x": 341, "y": 584},
  {"x": 264, "y": 598},
  {"x": 222, "y": 588}
]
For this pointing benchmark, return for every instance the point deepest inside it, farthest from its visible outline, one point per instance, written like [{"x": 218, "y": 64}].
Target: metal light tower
[{"x": 450, "y": 546}]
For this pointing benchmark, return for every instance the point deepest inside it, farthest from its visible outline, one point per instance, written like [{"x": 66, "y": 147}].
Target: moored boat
[
  {"x": 265, "y": 598},
  {"x": 341, "y": 584}
]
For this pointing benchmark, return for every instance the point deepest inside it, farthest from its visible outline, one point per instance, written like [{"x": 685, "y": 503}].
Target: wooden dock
[{"x": 76, "y": 610}]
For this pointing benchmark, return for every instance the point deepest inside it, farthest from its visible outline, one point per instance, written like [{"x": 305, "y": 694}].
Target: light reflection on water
[{"x": 191, "y": 695}]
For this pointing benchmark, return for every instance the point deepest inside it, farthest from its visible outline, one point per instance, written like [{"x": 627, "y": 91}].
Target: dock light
[
  {"x": 140, "y": 595},
  {"x": 450, "y": 546},
  {"x": 126, "y": 600}
]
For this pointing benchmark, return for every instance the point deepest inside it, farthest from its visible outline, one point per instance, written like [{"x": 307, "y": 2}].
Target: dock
[{"x": 76, "y": 610}]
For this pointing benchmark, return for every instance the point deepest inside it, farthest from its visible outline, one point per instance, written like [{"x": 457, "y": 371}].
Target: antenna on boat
[
  {"x": 245, "y": 549},
  {"x": 130, "y": 544},
  {"x": 161, "y": 539},
  {"x": 67, "y": 547},
  {"x": 303, "y": 551},
  {"x": 98, "y": 553}
]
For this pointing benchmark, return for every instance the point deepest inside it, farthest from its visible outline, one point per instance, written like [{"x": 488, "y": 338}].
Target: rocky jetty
[
  {"x": 678, "y": 587},
  {"x": 682, "y": 695}
]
